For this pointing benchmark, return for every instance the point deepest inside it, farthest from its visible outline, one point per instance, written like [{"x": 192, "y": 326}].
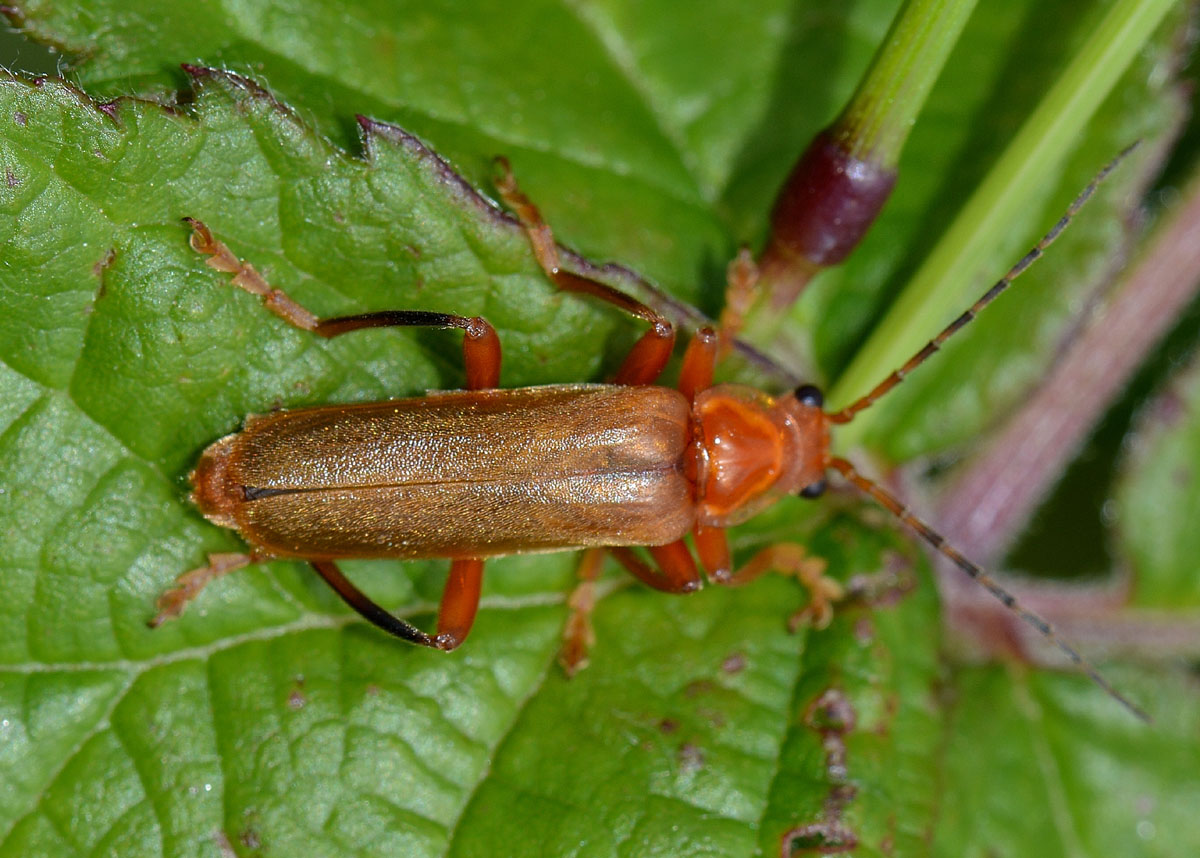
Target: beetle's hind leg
[
  {"x": 481, "y": 346},
  {"x": 649, "y": 356},
  {"x": 188, "y": 585},
  {"x": 460, "y": 602}
]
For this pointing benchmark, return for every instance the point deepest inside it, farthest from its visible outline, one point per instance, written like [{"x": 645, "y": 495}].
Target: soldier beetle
[{"x": 484, "y": 471}]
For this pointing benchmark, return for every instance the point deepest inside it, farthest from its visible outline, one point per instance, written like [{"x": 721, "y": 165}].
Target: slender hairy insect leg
[
  {"x": 742, "y": 278},
  {"x": 368, "y": 609},
  {"x": 578, "y": 635},
  {"x": 894, "y": 506},
  {"x": 650, "y": 354},
  {"x": 188, "y": 585},
  {"x": 246, "y": 277},
  {"x": 481, "y": 346}
]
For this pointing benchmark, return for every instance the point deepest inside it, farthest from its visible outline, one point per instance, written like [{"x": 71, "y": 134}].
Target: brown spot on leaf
[
  {"x": 20, "y": 118},
  {"x": 691, "y": 758},
  {"x": 831, "y": 713},
  {"x": 104, "y": 263},
  {"x": 888, "y": 844},
  {"x": 735, "y": 662},
  {"x": 250, "y": 838},
  {"x": 818, "y": 838},
  {"x": 668, "y": 726},
  {"x": 832, "y": 716},
  {"x": 223, "y": 845}
]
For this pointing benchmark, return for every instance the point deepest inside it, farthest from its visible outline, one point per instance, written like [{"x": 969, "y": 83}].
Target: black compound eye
[
  {"x": 810, "y": 394},
  {"x": 813, "y": 490}
]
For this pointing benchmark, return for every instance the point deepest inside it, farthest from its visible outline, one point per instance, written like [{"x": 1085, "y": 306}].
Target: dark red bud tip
[{"x": 826, "y": 205}]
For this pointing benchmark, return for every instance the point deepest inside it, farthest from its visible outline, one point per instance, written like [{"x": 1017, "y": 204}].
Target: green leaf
[
  {"x": 268, "y": 720},
  {"x": 1035, "y": 767},
  {"x": 236, "y": 721},
  {"x": 1159, "y": 499}
]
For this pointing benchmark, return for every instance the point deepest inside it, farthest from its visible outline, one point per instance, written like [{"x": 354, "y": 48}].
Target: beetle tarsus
[
  {"x": 579, "y": 636},
  {"x": 446, "y": 642},
  {"x": 188, "y": 585}
]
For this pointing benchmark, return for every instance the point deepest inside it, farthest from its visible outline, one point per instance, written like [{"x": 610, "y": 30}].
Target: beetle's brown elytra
[{"x": 484, "y": 471}]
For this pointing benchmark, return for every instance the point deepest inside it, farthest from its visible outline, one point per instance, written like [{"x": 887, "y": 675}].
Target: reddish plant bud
[{"x": 825, "y": 207}]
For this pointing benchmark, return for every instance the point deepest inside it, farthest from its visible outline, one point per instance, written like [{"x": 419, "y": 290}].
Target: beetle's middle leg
[
  {"x": 649, "y": 356},
  {"x": 673, "y": 571},
  {"x": 681, "y": 575},
  {"x": 481, "y": 346}
]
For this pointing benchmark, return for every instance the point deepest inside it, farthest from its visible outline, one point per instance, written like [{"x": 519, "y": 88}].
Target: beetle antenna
[
  {"x": 864, "y": 402},
  {"x": 896, "y": 508}
]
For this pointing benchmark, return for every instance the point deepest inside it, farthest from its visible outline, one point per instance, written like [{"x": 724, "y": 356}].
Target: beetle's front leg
[{"x": 787, "y": 558}]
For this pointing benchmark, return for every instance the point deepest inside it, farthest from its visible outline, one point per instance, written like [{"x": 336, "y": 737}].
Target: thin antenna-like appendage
[
  {"x": 847, "y": 413},
  {"x": 892, "y": 505}
]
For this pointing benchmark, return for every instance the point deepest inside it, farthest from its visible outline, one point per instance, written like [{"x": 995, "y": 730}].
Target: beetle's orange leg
[
  {"x": 789, "y": 559},
  {"x": 676, "y": 572},
  {"x": 740, "y": 292},
  {"x": 481, "y": 346},
  {"x": 713, "y": 547},
  {"x": 245, "y": 276},
  {"x": 578, "y": 634},
  {"x": 699, "y": 363},
  {"x": 460, "y": 601},
  {"x": 651, "y": 353},
  {"x": 188, "y": 585}
]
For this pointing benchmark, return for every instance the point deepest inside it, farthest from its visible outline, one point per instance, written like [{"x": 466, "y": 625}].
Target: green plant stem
[
  {"x": 877, "y": 120},
  {"x": 941, "y": 287},
  {"x": 845, "y": 176}
]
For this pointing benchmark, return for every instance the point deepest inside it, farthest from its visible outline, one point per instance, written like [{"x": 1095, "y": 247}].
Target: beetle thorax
[{"x": 754, "y": 449}]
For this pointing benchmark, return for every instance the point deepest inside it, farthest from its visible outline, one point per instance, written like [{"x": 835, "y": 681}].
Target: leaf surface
[{"x": 269, "y": 721}]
